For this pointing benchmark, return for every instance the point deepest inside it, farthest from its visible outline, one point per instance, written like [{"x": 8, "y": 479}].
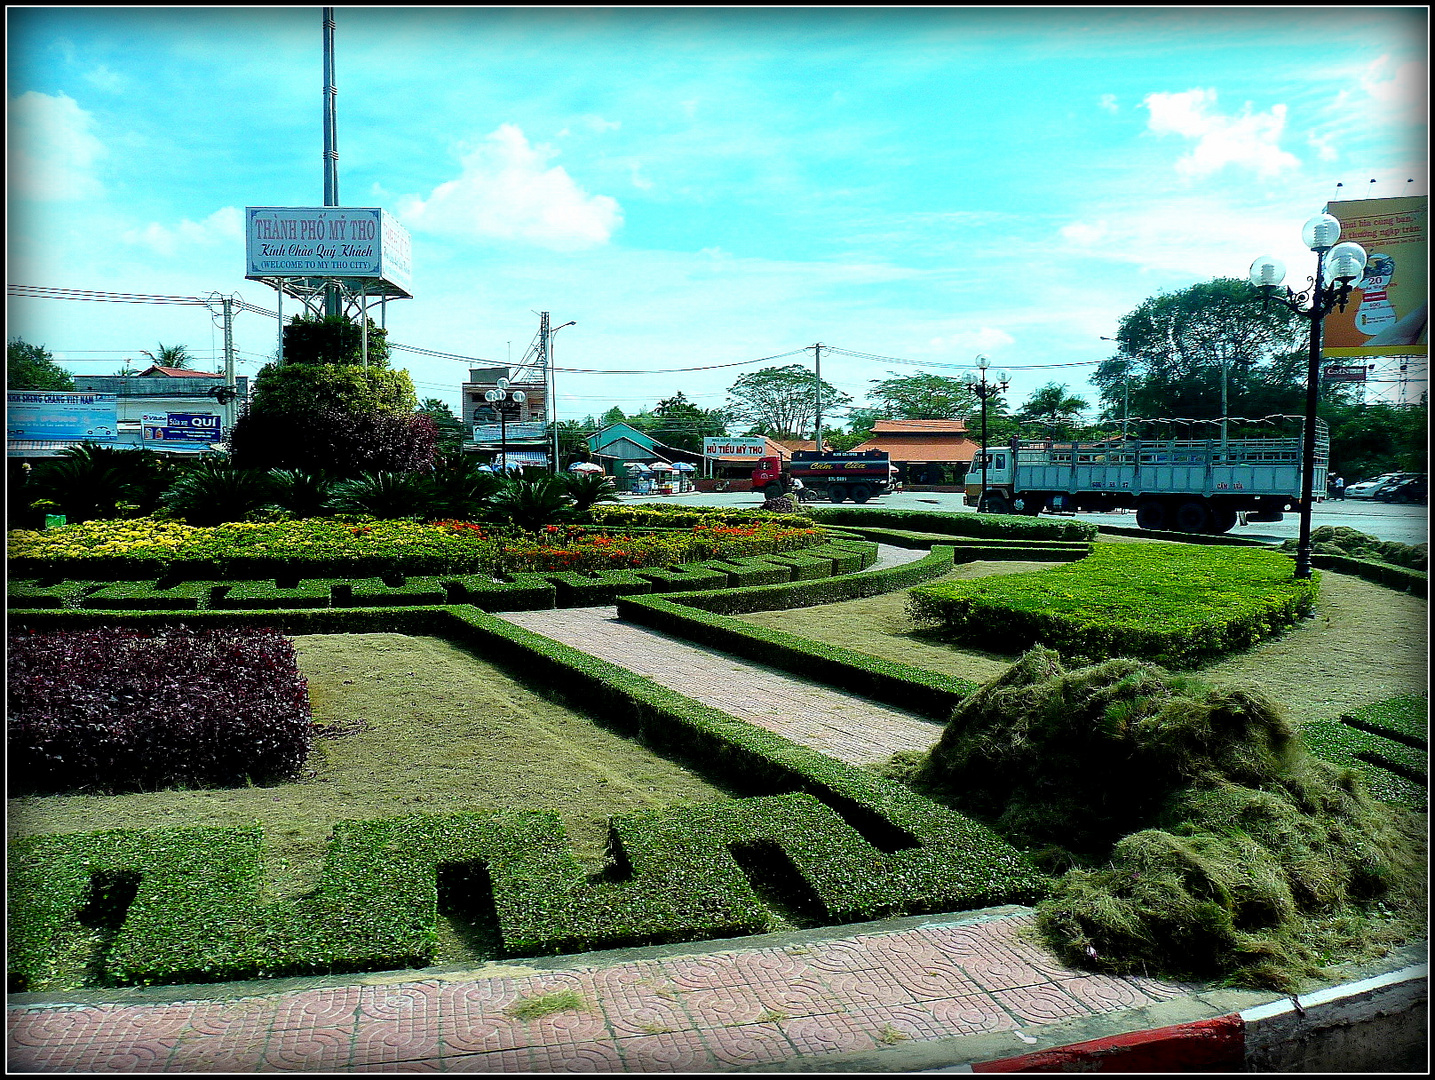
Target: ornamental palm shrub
[
  {"x": 531, "y": 504},
  {"x": 213, "y": 491},
  {"x": 585, "y": 489},
  {"x": 302, "y": 494},
  {"x": 385, "y": 495},
  {"x": 88, "y": 481},
  {"x": 460, "y": 488}
]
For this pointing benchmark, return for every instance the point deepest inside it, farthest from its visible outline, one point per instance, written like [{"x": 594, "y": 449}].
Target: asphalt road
[{"x": 1385, "y": 521}]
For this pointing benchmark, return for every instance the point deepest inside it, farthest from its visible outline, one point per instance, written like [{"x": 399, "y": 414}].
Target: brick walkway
[
  {"x": 674, "y": 1008},
  {"x": 812, "y": 995}
]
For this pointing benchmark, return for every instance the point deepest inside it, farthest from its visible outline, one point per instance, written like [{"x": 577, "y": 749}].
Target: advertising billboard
[
  {"x": 60, "y": 416},
  {"x": 1387, "y": 310},
  {"x": 750, "y": 448},
  {"x": 195, "y": 429},
  {"x": 327, "y": 242}
]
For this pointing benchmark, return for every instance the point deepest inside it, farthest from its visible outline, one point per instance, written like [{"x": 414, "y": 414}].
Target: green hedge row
[
  {"x": 848, "y": 844},
  {"x": 1177, "y": 537},
  {"x": 1010, "y": 526},
  {"x": 1173, "y": 604},
  {"x": 1382, "y": 763},
  {"x": 972, "y": 550},
  {"x": 1400, "y": 578},
  {"x": 1406, "y": 719}
]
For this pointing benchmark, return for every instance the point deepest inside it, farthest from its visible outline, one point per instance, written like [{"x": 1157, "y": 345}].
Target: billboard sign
[
  {"x": 1386, "y": 313},
  {"x": 1344, "y": 373},
  {"x": 517, "y": 431},
  {"x": 327, "y": 242},
  {"x": 181, "y": 428},
  {"x": 58, "y": 416},
  {"x": 741, "y": 448}
]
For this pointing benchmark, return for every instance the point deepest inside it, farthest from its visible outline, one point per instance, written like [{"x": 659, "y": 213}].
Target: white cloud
[
  {"x": 1400, "y": 93},
  {"x": 505, "y": 191},
  {"x": 102, "y": 78},
  {"x": 1108, "y": 103},
  {"x": 53, "y": 150},
  {"x": 1249, "y": 140},
  {"x": 222, "y": 226},
  {"x": 973, "y": 340},
  {"x": 1084, "y": 234}
]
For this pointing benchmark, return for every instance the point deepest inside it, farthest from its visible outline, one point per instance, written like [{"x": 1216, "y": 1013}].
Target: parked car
[
  {"x": 1408, "y": 489},
  {"x": 1366, "y": 489}
]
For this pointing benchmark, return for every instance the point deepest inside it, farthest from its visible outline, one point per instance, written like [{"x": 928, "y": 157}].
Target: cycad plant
[
  {"x": 587, "y": 488},
  {"x": 302, "y": 494},
  {"x": 532, "y": 504},
  {"x": 86, "y": 481},
  {"x": 213, "y": 491},
  {"x": 386, "y": 495},
  {"x": 461, "y": 488}
]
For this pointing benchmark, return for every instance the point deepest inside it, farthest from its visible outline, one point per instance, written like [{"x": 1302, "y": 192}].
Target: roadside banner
[
  {"x": 726, "y": 448},
  {"x": 58, "y": 416},
  {"x": 171, "y": 428},
  {"x": 1386, "y": 315}
]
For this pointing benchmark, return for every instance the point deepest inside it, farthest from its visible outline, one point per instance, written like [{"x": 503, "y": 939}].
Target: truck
[
  {"x": 854, "y": 475},
  {"x": 1186, "y": 485}
]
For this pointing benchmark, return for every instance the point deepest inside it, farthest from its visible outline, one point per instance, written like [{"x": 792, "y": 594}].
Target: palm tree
[
  {"x": 588, "y": 488},
  {"x": 300, "y": 493},
  {"x": 461, "y": 488},
  {"x": 531, "y": 504},
  {"x": 386, "y": 495},
  {"x": 170, "y": 356},
  {"x": 87, "y": 481},
  {"x": 1052, "y": 405},
  {"x": 214, "y": 491}
]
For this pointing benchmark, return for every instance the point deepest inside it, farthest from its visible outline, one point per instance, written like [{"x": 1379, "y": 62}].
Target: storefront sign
[
  {"x": 750, "y": 448},
  {"x": 172, "y": 428}
]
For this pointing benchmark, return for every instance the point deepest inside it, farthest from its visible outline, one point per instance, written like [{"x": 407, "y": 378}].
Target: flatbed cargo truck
[
  {"x": 1187, "y": 485},
  {"x": 835, "y": 476}
]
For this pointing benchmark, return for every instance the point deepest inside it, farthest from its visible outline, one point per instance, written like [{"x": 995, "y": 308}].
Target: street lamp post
[
  {"x": 1343, "y": 264},
  {"x": 553, "y": 390},
  {"x": 977, "y": 382},
  {"x": 500, "y": 399}
]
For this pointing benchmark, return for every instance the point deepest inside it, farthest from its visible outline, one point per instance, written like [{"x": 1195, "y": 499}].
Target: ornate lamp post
[
  {"x": 500, "y": 399},
  {"x": 977, "y": 382},
  {"x": 1342, "y": 265}
]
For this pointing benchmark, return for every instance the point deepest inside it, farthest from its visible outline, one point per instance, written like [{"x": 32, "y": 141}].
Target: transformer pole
[
  {"x": 229, "y": 361},
  {"x": 817, "y": 351}
]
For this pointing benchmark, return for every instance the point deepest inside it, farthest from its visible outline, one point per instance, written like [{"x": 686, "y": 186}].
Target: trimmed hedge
[
  {"x": 846, "y": 843},
  {"x": 157, "y": 596},
  {"x": 1175, "y": 605},
  {"x": 746, "y": 572},
  {"x": 1399, "y": 578},
  {"x": 269, "y": 594},
  {"x": 112, "y": 710},
  {"x": 981, "y": 525},
  {"x": 597, "y": 590},
  {"x": 1405, "y": 719},
  {"x": 1371, "y": 756}
]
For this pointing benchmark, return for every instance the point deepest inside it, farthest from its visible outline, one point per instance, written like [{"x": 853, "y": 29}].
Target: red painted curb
[{"x": 1204, "y": 1046}]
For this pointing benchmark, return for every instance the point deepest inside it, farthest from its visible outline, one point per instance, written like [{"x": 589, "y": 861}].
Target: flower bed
[
  {"x": 328, "y": 547},
  {"x": 1172, "y": 604},
  {"x": 110, "y": 709}
]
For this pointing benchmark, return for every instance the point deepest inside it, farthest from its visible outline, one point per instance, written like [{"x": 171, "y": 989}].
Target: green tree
[
  {"x": 613, "y": 416},
  {"x": 781, "y": 402},
  {"x": 1172, "y": 350},
  {"x": 451, "y": 432},
  {"x": 921, "y": 397},
  {"x": 678, "y": 422},
  {"x": 1054, "y": 409},
  {"x": 1367, "y": 440},
  {"x": 170, "y": 356},
  {"x": 31, "y": 367}
]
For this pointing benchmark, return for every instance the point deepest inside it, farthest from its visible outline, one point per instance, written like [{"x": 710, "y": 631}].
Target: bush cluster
[
  {"x": 1172, "y": 604},
  {"x": 110, "y": 709},
  {"x": 993, "y": 526},
  {"x": 1337, "y": 540}
]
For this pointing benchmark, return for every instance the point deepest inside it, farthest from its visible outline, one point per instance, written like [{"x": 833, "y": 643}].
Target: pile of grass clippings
[
  {"x": 1338, "y": 540},
  {"x": 1199, "y": 837}
]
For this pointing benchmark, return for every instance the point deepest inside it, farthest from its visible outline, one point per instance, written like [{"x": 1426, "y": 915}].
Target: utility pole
[
  {"x": 548, "y": 402},
  {"x": 331, "y": 145},
  {"x": 229, "y": 361},
  {"x": 817, "y": 352}
]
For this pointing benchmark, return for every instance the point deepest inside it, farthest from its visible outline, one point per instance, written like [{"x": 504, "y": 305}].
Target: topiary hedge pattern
[
  {"x": 847, "y": 844},
  {"x": 980, "y": 525}
]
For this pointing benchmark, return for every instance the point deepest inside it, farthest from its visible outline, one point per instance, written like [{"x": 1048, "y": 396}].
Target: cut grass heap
[{"x": 1207, "y": 842}]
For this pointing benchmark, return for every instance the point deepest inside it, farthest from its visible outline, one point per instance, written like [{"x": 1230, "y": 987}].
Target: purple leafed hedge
[{"x": 114, "y": 710}]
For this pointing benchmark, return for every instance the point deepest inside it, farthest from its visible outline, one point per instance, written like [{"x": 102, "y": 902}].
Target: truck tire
[
  {"x": 1028, "y": 504},
  {"x": 835, "y": 493},
  {"x": 994, "y": 504},
  {"x": 860, "y": 493},
  {"x": 1193, "y": 516},
  {"x": 1223, "y": 519},
  {"x": 1151, "y": 514}
]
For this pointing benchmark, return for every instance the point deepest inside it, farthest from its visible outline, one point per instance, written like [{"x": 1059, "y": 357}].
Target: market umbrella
[{"x": 584, "y": 466}]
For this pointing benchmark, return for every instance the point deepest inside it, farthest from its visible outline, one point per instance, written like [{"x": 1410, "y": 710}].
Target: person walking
[{"x": 1340, "y": 489}]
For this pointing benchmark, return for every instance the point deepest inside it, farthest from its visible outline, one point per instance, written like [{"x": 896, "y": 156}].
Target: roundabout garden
[{"x": 303, "y": 746}]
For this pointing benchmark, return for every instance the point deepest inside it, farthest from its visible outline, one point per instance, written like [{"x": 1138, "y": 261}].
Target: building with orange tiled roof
[{"x": 933, "y": 455}]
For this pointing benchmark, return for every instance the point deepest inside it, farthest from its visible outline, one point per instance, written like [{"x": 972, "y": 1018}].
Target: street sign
[{"x": 1344, "y": 374}]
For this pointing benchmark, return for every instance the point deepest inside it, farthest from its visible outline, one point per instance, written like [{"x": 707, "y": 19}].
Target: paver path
[{"x": 848, "y": 727}]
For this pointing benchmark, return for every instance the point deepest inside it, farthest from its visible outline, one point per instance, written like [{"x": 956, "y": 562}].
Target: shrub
[
  {"x": 117, "y": 710},
  {"x": 300, "y": 494},
  {"x": 586, "y": 489},
  {"x": 1174, "y": 604},
  {"x": 979, "y": 525},
  {"x": 386, "y": 495},
  {"x": 88, "y": 481},
  {"x": 460, "y": 489},
  {"x": 212, "y": 492},
  {"x": 1337, "y": 540}
]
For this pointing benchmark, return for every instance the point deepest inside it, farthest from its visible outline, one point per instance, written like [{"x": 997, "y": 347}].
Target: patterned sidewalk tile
[
  {"x": 748, "y": 1044},
  {"x": 830, "y": 1034},
  {"x": 672, "y": 1051},
  {"x": 1041, "y": 1004},
  {"x": 975, "y": 1014}
]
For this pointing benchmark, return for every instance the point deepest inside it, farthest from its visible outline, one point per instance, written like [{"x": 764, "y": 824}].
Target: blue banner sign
[
  {"x": 59, "y": 416},
  {"x": 180, "y": 428}
]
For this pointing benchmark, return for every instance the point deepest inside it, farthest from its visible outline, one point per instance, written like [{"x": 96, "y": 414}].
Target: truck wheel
[
  {"x": 995, "y": 504},
  {"x": 1030, "y": 505},
  {"x": 1223, "y": 519},
  {"x": 1193, "y": 516},
  {"x": 835, "y": 493},
  {"x": 860, "y": 493},
  {"x": 1151, "y": 514}
]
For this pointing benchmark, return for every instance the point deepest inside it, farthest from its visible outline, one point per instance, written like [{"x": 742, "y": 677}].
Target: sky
[{"x": 705, "y": 192}]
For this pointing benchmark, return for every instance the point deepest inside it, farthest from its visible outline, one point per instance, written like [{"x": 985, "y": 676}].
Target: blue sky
[{"x": 700, "y": 188}]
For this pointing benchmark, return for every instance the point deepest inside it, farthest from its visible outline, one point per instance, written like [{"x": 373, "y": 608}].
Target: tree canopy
[
  {"x": 920, "y": 397},
  {"x": 31, "y": 367},
  {"x": 782, "y": 401},
  {"x": 170, "y": 356}
]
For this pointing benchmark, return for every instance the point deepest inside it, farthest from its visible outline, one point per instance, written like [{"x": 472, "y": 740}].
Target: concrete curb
[{"x": 1379, "y": 1024}]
